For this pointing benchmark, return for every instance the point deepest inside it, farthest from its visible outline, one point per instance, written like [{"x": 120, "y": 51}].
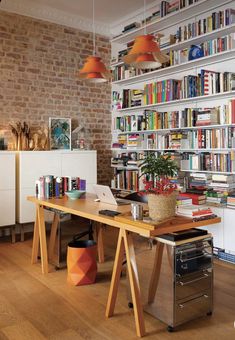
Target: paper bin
[{"x": 81, "y": 262}]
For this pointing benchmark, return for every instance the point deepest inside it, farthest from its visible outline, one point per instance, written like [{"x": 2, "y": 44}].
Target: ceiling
[
  {"x": 106, "y": 11},
  {"x": 110, "y": 15}
]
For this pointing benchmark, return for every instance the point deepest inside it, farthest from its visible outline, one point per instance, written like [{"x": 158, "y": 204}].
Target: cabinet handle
[
  {"x": 195, "y": 280},
  {"x": 183, "y": 305}
]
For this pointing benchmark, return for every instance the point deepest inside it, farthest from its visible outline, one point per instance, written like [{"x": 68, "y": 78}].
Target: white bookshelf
[
  {"x": 192, "y": 11},
  {"x": 221, "y": 62}
]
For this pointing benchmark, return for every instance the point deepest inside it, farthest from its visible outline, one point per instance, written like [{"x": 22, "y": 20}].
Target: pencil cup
[{"x": 137, "y": 211}]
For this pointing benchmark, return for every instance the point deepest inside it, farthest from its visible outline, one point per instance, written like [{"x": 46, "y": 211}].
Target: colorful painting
[{"x": 60, "y": 133}]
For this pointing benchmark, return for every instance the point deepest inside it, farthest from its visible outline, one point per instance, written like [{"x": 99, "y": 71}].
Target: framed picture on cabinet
[{"x": 60, "y": 133}]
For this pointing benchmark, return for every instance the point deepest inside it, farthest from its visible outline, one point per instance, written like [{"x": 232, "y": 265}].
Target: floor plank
[{"x": 33, "y": 306}]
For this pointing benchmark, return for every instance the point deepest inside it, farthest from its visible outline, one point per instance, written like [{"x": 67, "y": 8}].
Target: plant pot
[{"x": 162, "y": 206}]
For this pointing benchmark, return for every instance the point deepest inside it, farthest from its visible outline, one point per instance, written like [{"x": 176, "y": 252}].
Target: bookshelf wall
[{"x": 147, "y": 117}]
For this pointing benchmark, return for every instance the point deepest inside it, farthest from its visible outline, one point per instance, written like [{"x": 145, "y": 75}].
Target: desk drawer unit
[{"x": 184, "y": 288}]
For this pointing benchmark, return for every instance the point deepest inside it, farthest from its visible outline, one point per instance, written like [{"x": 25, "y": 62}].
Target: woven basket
[{"x": 162, "y": 206}]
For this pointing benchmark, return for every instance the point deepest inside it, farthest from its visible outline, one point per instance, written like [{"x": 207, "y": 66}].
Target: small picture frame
[{"x": 60, "y": 133}]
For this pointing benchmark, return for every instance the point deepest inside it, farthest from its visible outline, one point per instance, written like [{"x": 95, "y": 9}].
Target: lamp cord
[
  {"x": 93, "y": 27},
  {"x": 144, "y": 17}
]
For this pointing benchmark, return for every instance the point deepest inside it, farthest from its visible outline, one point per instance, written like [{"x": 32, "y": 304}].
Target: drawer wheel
[
  {"x": 209, "y": 313},
  {"x": 130, "y": 305},
  {"x": 170, "y": 329}
]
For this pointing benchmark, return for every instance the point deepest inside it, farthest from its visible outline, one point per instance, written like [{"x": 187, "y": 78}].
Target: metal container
[
  {"x": 184, "y": 288},
  {"x": 137, "y": 211}
]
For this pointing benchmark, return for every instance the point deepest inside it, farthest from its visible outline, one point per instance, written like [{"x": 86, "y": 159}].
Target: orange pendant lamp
[
  {"x": 94, "y": 70},
  {"x": 145, "y": 53}
]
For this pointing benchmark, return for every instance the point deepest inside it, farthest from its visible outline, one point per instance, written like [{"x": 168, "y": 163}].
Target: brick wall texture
[{"x": 39, "y": 62}]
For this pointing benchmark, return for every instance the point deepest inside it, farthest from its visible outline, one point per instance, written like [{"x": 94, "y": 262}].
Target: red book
[{"x": 233, "y": 111}]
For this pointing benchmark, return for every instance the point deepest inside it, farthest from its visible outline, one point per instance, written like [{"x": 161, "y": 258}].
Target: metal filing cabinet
[{"x": 184, "y": 288}]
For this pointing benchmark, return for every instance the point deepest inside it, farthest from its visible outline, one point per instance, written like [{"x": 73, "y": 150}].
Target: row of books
[
  {"x": 51, "y": 186},
  {"x": 208, "y": 162},
  {"x": 189, "y": 117},
  {"x": 205, "y": 83},
  {"x": 168, "y": 7},
  {"x": 223, "y": 138},
  {"x": 208, "y": 48},
  {"x": 126, "y": 180},
  {"x": 213, "y": 22},
  {"x": 223, "y": 114}
]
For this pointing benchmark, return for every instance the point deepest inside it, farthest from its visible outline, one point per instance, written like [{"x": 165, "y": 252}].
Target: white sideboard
[
  {"x": 7, "y": 188},
  {"x": 33, "y": 164}
]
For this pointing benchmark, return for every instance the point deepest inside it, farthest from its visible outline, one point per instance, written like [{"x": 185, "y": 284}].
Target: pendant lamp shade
[
  {"x": 145, "y": 53},
  {"x": 94, "y": 70}
]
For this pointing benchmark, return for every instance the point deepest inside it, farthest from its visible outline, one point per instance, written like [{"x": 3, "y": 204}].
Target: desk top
[{"x": 86, "y": 207}]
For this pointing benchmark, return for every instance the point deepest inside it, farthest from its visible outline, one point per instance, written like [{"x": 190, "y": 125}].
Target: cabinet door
[
  {"x": 217, "y": 230},
  {"x": 34, "y": 164},
  {"x": 7, "y": 207},
  {"x": 229, "y": 230},
  {"x": 7, "y": 171},
  {"x": 80, "y": 164}
]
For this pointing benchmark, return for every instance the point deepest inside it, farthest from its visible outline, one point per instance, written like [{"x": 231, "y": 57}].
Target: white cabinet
[
  {"x": 80, "y": 164},
  {"x": 217, "y": 230},
  {"x": 33, "y": 164},
  {"x": 7, "y": 188},
  {"x": 229, "y": 230}
]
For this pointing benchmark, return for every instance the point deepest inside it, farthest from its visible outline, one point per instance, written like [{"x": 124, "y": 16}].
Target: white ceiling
[{"x": 110, "y": 15}]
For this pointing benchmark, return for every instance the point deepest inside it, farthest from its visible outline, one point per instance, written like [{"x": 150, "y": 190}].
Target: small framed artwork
[{"x": 60, "y": 133}]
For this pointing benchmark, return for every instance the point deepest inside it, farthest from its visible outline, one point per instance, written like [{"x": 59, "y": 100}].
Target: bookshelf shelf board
[
  {"x": 120, "y": 167},
  {"x": 210, "y": 172},
  {"x": 216, "y": 150},
  {"x": 169, "y": 20},
  {"x": 217, "y": 96},
  {"x": 175, "y": 69},
  {"x": 175, "y": 129}
]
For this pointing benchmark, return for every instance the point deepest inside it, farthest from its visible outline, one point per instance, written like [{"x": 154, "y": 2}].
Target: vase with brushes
[{"x": 162, "y": 192}]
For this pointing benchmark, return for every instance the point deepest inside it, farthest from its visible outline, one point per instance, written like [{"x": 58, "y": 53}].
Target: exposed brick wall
[{"x": 39, "y": 62}]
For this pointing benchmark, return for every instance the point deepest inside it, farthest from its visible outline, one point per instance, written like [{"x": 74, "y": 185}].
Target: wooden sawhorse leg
[
  {"x": 39, "y": 237},
  {"x": 125, "y": 245},
  {"x": 54, "y": 228},
  {"x": 100, "y": 242},
  {"x": 156, "y": 272}
]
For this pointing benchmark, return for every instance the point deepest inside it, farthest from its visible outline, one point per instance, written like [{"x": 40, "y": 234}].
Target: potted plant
[{"x": 162, "y": 193}]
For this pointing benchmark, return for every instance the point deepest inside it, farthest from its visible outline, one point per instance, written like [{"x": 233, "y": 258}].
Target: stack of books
[
  {"x": 231, "y": 201},
  {"x": 183, "y": 200},
  {"x": 50, "y": 186},
  {"x": 197, "y": 199},
  {"x": 194, "y": 212},
  {"x": 215, "y": 198},
  {"x": 198, "y": 183},
  {"x": 222, "y": 183}
]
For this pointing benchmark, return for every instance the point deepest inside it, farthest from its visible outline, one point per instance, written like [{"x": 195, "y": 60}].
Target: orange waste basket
[{"x": 81, "y": 262}]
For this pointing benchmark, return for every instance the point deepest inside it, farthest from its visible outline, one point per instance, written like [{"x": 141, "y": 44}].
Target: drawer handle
[
  {"x": 183, "y": 305},
  {"x": 195, "y": 280},
  {"x": 195, "y": 257}
]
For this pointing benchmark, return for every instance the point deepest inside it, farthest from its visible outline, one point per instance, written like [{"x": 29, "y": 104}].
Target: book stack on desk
[{"x": 195, "y": 212}]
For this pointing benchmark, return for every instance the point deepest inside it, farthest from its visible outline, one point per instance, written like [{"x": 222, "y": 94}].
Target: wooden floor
[{"x": 33, "y": 306}]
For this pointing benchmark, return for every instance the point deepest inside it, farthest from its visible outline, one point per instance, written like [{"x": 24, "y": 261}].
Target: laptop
[{"x": 105, "y": 195}]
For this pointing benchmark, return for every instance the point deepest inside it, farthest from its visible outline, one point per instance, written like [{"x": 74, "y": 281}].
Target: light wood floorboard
[{"x": 34, "y": 306}]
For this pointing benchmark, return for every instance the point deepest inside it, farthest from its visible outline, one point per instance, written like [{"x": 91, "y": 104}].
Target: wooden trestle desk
[{"x": 87, "y": 208}]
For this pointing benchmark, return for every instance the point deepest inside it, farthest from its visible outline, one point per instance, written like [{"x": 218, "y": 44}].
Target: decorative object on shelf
[
  {"x": 60, "y": 133},
  {"x": 80, "y": 138},
  {"x": 94, "y": 69},
  {"x": 74, "y": 194},
  {"x": 21, "y": 133},
  {"x": 161, "y": 192},
  {"x": 145, "y": 53},
  {"x": 195, "y": 52}
]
